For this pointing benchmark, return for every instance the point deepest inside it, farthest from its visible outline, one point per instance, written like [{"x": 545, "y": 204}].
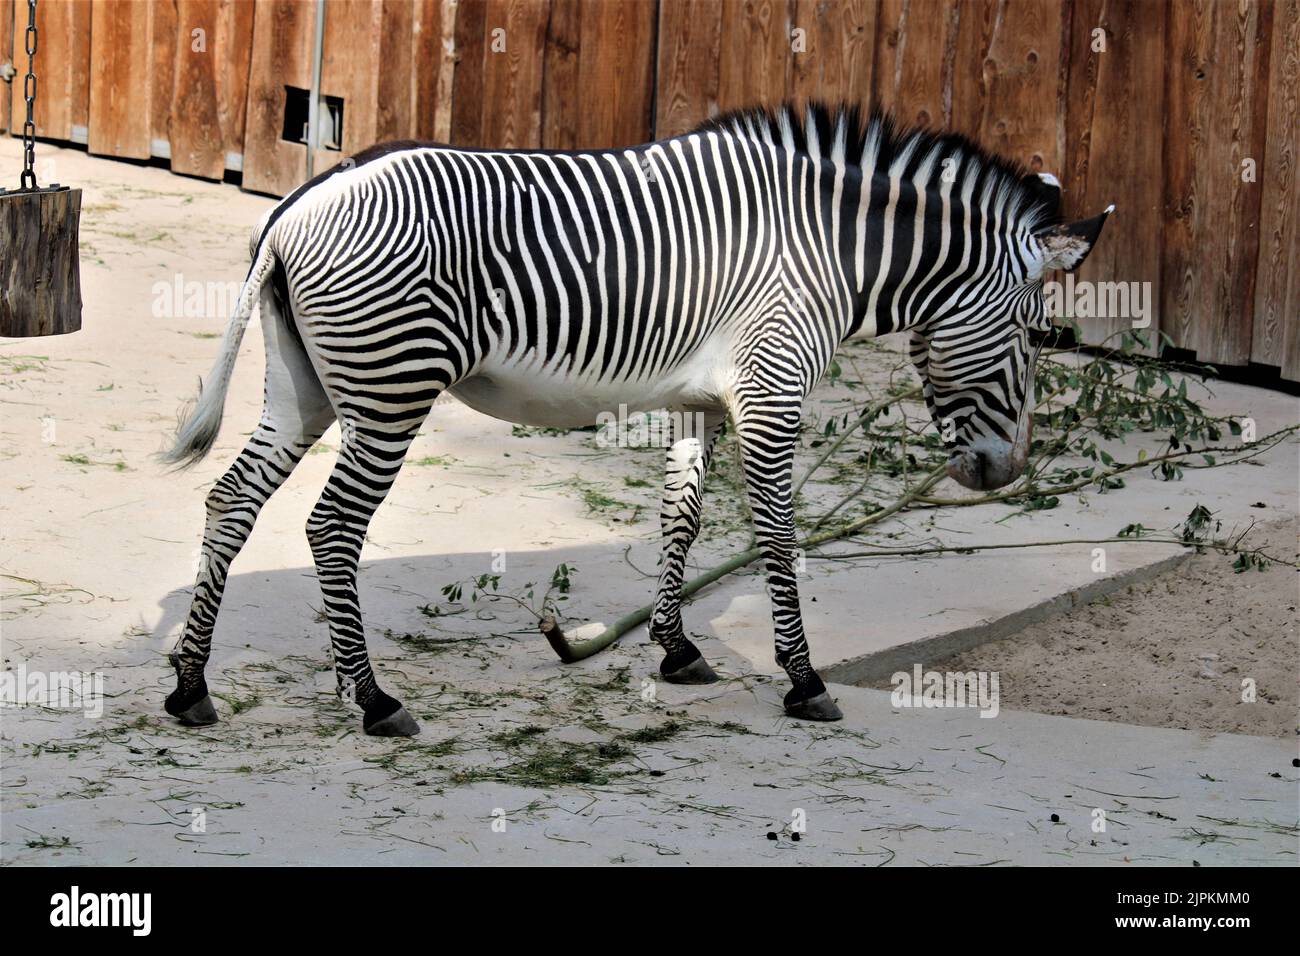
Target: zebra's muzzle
[{"x": 987, "y": 465}]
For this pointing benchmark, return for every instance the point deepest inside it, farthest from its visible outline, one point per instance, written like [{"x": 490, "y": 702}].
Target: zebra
[{"x": 712, "y": 274}]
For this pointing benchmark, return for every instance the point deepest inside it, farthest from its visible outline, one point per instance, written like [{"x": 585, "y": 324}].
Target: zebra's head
[{"x": 977, "y": 359}]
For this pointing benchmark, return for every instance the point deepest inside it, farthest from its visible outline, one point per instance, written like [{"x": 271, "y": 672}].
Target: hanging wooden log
[{"x": 40, "y": 277}]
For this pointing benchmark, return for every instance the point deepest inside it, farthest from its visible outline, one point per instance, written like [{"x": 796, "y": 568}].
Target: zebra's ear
[{"x": 1067, "y": 245}]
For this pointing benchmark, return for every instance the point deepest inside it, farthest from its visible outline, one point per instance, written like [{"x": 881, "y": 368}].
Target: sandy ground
[
  {"x": 595, "y": 763},
  {"x": 1171, "y": 652}
]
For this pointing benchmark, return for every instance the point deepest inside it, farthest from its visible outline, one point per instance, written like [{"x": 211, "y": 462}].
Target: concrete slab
[{"x": 921, "y": 787}]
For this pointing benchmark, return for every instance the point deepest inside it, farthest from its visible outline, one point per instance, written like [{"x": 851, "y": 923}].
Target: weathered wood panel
[
  {"x": 62, "y": 65},
  {"x": 434, "y": 114},
  {"x": 916, "y": 42},
  {"x": 617, "y": 64},
  {"x": 1114, "y": 153},
  {"x": 282, "y": 52},
  {"x": 1275, "y": 337},
  {"x": 396, "y": 78},
  {"x": 754, "y": 53},
  {"x": 1217, "y": 69},
  {"x": 500, "y": 50},
  {"x": 162, "y": 74},
  {"x": 561, "y": 76},
  {"x": 214, "y": 48},
  {"x": 121, "y": 55},
  {"x": 409, "y": 51},
  {"x": 598, "y": 76},
  {"x": 1006, "y": 94},
  {"x": 687, "y": 71},
  {"x": 837, "y": 43},
  {"x": 432, "y": 59},
  {"x": 467, "y": 81},
  {"x": 513, "y": 51},
  {"x": 350, "y": 70}
]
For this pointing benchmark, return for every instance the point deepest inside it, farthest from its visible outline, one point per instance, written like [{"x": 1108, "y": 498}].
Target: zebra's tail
[{"x": 200, "y": 423}]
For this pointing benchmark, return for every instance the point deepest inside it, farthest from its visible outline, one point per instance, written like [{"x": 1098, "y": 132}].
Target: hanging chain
[{"x": 28, "y": 179}]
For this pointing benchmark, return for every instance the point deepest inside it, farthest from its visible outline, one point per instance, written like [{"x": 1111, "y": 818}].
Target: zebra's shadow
[{"x": 280, "y": 611}]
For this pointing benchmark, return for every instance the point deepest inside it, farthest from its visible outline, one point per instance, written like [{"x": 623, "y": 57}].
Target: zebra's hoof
[
  {"x": 199, "y": 714},
  {"x": 397, "y": 724},
  {"x": 697, "y": 671},
  {"x": 820, "y": 707}
]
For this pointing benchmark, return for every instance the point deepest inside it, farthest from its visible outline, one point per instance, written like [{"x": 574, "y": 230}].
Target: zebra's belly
[{"x": 528, "y": 396}]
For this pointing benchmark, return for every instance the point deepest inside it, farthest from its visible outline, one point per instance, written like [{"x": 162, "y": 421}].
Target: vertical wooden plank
[
  {"x": 282, "y": 50},
  {"x": 397, "y": 74},
  {"x": 754, "y": 53},
  {"x": 1275, "y": 337},
  {"x": 63, "y": 66},
  {"x": 235, "y": 56},
  {"x": 561, "y": 109},
  {"x": 162, "y": 74},
  {"x": 596, "y": 46},
  {"x": 514, "y": 48},
  {"x": 213, "y": 51},
  {"x": 428, "y": 54},
  {"x": 120, "y": 89},
  {"x": 350, "y": 70},
  {"x": 467, "y": 102},
  {"x": 1114, "y": 147},
  {"x": 1217, "y": 67},
  {"x": 1005, "y": 90},
  {"x": 916, "y": 43},
  {"x": 195, "y": 133},
  {"x": 436, "y": 95},
  {"x": 687, "y": 72},
  {"x": 7, "y": 56},
  {"x": 410, "y": 51},
  {"x": 617, "y": 59},
  {"x": 836, "y": 62}
]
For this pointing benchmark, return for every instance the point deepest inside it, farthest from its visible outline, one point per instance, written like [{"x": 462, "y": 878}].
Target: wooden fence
[{"x": 1184, "y": 113}]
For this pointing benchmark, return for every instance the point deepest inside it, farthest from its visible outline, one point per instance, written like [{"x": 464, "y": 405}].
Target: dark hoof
[
  {"x": 397, "y": 724},
  {"x": 697, "y": 671},
  {"x": 820, "y": 707},
  {"x": 199, "y": 714}
]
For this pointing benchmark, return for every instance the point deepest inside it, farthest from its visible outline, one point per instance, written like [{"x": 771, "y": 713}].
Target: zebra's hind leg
[
  {"x": 366, "y": 469},
  {"x": 295, "y": 414},
  {"x": 767, "y": 435},
  {"x": 679, "y": 517}
]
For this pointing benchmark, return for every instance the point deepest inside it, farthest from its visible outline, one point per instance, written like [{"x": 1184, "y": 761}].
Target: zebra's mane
[{"x": 844, "y": 133}]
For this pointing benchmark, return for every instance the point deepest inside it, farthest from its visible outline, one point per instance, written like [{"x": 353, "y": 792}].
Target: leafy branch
[
  {"x": 486, "y": 587},
  {"x": 1086, "y": 400}
]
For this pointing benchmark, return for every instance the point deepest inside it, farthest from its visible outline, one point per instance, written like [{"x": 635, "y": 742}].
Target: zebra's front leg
[
  {"x": 367, "y": 466},
  {"x": 767, "y": 438},
  {"x": 679, "y": 517}
]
